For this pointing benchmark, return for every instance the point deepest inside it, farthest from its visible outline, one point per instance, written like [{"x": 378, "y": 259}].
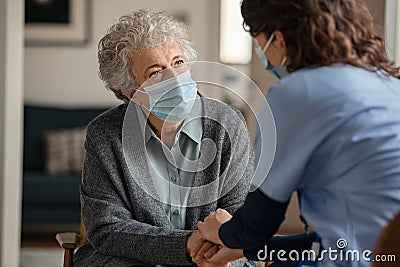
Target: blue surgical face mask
[
  {"x": 261, "y": 52},
  {"x": 279, "y": 71},
  {"x": 172, "y": 99}
]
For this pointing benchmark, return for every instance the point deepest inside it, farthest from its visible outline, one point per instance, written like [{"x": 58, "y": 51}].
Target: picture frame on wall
[{"x": 56, "y": 22}]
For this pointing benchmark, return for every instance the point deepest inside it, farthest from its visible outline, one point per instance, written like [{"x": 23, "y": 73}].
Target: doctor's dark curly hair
[
  {"x": 132, "y": 33},
  {"x": 320, "y": 32}
]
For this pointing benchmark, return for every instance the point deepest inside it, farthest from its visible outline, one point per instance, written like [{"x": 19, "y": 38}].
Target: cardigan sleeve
[
  {"x": 238, "y": 173},
  {"x": 106, "y": 212}
]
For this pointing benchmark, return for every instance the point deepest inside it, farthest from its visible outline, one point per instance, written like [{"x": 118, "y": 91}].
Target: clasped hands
[{"x": 205, "y": 246}]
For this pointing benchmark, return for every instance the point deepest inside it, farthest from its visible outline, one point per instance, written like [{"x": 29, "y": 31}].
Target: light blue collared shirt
[
  {"x": 338, "y": 142},
  {"x": 172, "y": 174}
]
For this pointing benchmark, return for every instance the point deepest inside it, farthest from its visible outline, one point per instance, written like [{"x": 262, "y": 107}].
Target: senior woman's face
[{"x": 149, "y": 62}]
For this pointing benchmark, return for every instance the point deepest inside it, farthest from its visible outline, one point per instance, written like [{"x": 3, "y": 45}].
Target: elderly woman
[{"x": 141, "y": 194}]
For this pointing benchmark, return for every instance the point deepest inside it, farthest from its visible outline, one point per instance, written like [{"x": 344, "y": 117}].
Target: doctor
[{"x": 337, "y": 117}]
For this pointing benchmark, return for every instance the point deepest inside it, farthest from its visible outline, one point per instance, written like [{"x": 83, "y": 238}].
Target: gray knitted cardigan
[{"x": 127, "y": 226}]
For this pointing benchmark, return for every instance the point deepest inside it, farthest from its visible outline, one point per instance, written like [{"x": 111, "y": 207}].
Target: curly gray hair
[{"x": 139, "y": 30}]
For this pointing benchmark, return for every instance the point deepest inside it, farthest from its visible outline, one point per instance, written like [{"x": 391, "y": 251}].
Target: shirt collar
[{"x": 192, "y": 126}]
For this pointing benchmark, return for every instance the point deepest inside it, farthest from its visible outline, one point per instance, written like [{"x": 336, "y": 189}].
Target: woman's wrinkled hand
[{"x": 210, "y": 227}]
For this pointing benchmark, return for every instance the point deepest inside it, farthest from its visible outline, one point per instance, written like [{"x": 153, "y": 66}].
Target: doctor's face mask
[{"x": 279, "y": 71}]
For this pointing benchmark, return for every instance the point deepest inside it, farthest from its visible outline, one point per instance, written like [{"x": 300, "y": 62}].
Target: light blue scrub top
[
  {"x": 168, "y": 166},
  {"x": 338, "y": 142}
]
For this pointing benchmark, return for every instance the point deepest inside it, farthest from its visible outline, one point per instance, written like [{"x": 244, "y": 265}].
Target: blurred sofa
[{"x": 51, "y": 196}]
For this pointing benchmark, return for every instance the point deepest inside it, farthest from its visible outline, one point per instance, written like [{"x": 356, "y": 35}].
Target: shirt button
[
  {"x": 174, "y": 178},
  {"x": 176, "y": 212}
]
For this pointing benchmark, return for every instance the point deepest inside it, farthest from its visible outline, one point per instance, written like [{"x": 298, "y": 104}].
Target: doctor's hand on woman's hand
[
  {"x": 211, "y": 255},
  {"x": 194, "y": 243},
  {"x": 198, "y": 247},
  {"x": 210, "y": 227},
  {"x": 223, "y": 256},
  {"x": 217, "y": 255}
]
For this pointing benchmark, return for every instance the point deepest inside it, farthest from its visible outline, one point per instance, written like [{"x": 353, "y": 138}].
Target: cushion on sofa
[
  {"x": 64, "y": 150},
  {"x": 38, "y": 120}
]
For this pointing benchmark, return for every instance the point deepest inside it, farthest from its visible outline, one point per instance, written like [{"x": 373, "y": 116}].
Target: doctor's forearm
[{"x": 254, "y": 223}]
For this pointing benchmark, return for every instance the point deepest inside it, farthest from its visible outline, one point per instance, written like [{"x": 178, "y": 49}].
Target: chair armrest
[{"x": 69, "y": 241}]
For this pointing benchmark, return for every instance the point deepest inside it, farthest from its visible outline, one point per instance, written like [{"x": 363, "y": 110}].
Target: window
[{"x": 235, "y": 43}]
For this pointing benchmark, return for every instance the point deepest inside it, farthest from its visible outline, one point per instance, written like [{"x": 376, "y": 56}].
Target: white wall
[
  {"x": 11, "y": 80},
  {"x": 67, "y": 76}
]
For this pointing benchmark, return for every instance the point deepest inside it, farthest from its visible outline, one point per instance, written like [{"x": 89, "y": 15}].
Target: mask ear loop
[
  {"x": 268, "y": 42},
  {"x": 137, "y": 100},
  {"x": 283, "y": 61}
]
